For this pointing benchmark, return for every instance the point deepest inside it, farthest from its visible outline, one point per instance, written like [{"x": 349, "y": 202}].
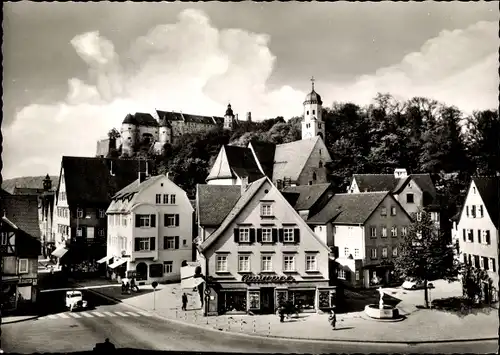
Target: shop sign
[
  {"x": 267, "y": 278},
  {"x": 28, "y": 281}
]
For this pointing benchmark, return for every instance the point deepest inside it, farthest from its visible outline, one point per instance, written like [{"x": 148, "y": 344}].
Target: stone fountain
[{"x": 381, "y": 311}]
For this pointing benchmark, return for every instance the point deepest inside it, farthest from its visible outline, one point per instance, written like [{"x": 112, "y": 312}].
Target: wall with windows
[
  {"x": 477, "y": 235},
  {"x": 268, "y": 236},
  {"x": 61, "y": 214},
  {"x": 314, "y": 171},
  {"x": 411, "y": 198}
]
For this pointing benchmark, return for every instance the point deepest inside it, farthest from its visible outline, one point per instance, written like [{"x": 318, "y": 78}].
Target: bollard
[
  {"x": 269, "y": 329},
  {"x": 254, "y": 325},
  {"x": 241, "y": 326},
  {"x": 228, "y": 325},
  {"x": 176, "y": 314}
]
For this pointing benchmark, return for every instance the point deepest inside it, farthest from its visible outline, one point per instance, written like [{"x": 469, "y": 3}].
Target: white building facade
[{"x": 150, "y": 231}]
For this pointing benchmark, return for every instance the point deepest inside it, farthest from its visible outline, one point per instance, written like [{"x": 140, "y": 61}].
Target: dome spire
[{"x": 312, "y": 82}]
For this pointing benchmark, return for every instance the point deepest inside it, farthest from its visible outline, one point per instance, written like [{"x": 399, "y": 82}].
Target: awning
[
  {"x": 59, "y": 252},
  {"x": 189, "y": 278},
  {"x": 118, "y": 263},
  {"x": 105, "y": 259}
]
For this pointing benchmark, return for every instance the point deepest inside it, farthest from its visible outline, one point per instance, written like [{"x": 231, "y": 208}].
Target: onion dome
[
  {"x": 313, "y": 98},
  {"x": 229, "y": 111}
]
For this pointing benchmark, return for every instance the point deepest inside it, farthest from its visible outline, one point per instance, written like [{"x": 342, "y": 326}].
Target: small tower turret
[
  {"x": 313, "y": 124},
  {"x": 229, "y": 118},
  {"x": 47, "y": 183},
  {"x": 129, "y": 134}
]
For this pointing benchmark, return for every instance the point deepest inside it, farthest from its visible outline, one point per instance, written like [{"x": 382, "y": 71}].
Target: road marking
[
  {"x": 146, "y": 314},
  {"x": 109, "y": 314},
  {"x": 74, "y": 315},
  {"x": 85, "y": 314},
  {"x": 98, "y": 314},
  {"x": 52, "y": 316},
  {"x": 62, "y": 315},
  {"x": 133, "y": 314},
  {"x": 122, "y": 314}
]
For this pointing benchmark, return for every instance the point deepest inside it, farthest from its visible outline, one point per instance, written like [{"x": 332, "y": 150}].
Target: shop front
[{"x": 263, "y": 294}]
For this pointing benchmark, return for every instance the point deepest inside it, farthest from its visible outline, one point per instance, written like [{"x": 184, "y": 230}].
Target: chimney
[
  {"x": 244, "y": 184},
  {"x": 142, "y": 177},
  {"x": 249, "y": 116},
  {"x": 400, "y": 173}
]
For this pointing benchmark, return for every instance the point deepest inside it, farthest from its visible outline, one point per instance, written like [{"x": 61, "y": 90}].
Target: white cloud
[{"x": 194, "y": 67}]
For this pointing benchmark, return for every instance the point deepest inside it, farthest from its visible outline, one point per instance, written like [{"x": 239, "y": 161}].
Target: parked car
[
  {"x": 416, "y": 285},
  {"x": 74, "y": 300}
]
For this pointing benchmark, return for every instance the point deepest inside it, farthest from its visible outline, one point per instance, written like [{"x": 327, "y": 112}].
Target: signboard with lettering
[{"x": 258, "y": 279}]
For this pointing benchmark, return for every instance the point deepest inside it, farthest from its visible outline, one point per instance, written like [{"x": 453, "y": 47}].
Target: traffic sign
[
  {"x": 154, "y": 284},
  {"x": 208, "y": 292}
]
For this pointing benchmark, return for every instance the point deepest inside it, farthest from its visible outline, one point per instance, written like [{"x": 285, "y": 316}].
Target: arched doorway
[
  {"x": 184, "y": 263},
  {"x": 142, "y": 271}
]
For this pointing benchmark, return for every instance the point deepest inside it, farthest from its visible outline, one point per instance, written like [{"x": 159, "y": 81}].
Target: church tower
[
  {"x": 313, "y": 124},
  {"x": 229, "y": 118}
]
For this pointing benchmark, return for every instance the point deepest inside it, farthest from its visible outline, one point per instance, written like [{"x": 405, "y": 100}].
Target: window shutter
[
  {"x": 165, "y": 219},
  {"x": 481, "y": 210},
  {"x": 280, "y": 235},
  {"x": 177, "y": 220},
  {"x": 252, "y": 235},
  {"x": 84, "y": 211},
  {"x": 176, "y": 242},
  {"x": 463, "y": 230},
  {"x": 296, "y": 235},
  {"x": 259, "y": 235},
  {"x": 84, "y": 231},
  {"x": 467, "y": 210},
  {"x": 137, "y": 244},
  {"x": 153, "y": 220},
  {"x": 236, "y": 235},
  {"x": 275, "y": 235},
  {"x": 165, "y": 243},
  {"x": 137, "y": 220},
  {"x": 479, "y": 235},
  {"x": 152, "y": 243}
]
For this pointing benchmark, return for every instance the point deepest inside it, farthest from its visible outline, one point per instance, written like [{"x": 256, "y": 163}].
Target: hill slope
[{"x": 34, "y": 182}]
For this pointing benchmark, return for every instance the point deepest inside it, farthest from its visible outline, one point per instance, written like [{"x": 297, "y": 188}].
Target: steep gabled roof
[
  {"x": 22, "y": 210},
  {"x": 89, "y": 180},
  {"x": 489, "y": 189},
  {"x": 290, "y": 158},
  {"x": 245, "y": 198},
  {"x": 242, "y": 162},
  {"x": 265, "y": 156},
  {"x": 215, "y": 202},
  {"x": 141, "y": 119},
  {"x": 308, "y": 195},
  {"x": 349, "y": 208},
  {"x": 166, "y": 117}
]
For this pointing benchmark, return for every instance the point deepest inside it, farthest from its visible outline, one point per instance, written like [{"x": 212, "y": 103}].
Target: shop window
[
  {"x": 254, "y": 300},
  {"x": 303, "y": 298},
  {"x": 281, "y": 297},
  {"x": 155, "y": 270},
  {"x": 235, "y": 301},
  {"x": 326, "y": 299}
]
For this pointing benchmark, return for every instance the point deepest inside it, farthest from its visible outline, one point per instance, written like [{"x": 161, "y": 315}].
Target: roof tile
[
  {"x": 22, "y": 210},
  {"x": 489, "y": 189},
  {"x": 308, "y": 195},
  {"x": 215, "y": 202}
]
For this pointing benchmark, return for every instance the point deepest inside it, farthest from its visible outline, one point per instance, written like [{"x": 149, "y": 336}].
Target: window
[
  {"x": 383, "y": 212},
  {"x": 172, "y": 199},
  {"x": 169, "y": 243},
  {"x": 479, "y": 235},
  {"x": 481, "y": 262},
  {"x": 221, "y": 265},
  {"x": 394, "y": 251},
  {"x": 90, "y": 232},
  {"x": 168, "y": 267},
  {"x": 373, "y": 253},
  {"x": 266, "y": 209},
  {"x": 79, "y": 232},
  {"x": 244, "y": 235},
  {"x": 320, "y": 164},
  {"x": 341, "y": 274},
  {"x": 158, "y": 199},
  {"x": 288, "y": 263},
  {"x": 23, "y": 266},
  {"x": 357, "y": 275},
  {"x": 465, "y": 258},
  {"x": 356, "y": 253},
  {"x": 393, "y": 210},
  {"x": 244, "y": 263},
  {"x": 124, "y": 221},
  {"x": 481, "y": 210},
  {"x": 100, "y": 232},
  {"x": 373, "y": 232},
  {"x": 476, "y": 261},
  {"x": 79, "y": 213},
  {"x": 267, "y": 264},
  {"x": 474, "y": 190},
  {"x": 171, "y": 220},
  {"x": 102, "y": 213},
  {"x": 311, "y": 264},
  {"x": 493, "y": 265},
  {"x": 404, "y": 231},
  {"x": 470, "y": 234},
  {"x": 346, "y": 251},
  {"x": 467, "y": 210},
  {"x": 473, "y": 211},
  {"x": 143, "y": 244},
  {"x": 384, "y": 252},
  {"x": 314, "y": 112},
  {"x": 384, "y": 232},
  {"x": 409, "y": 198},
  {"x": 165, "y": 199},
  {"x": 394, "y": 232},
  {"x": 184, "y": 242},
  {"x": 288, "y": 235},
  {"x": 4, "y": 238},
  {"x": 435, "y": 216},
  {"x": 487, "y": 238},
  {"x": 145, "y": 220},
  {"x": 267, "y": 235}
]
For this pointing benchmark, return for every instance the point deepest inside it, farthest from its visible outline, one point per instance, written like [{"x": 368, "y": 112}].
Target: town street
[{"x": 60, "y": 331}]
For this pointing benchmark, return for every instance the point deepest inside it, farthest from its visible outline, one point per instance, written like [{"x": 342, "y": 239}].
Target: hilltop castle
[{"x": 144, "y": 130}]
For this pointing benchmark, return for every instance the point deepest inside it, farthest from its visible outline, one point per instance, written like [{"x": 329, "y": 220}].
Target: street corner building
[
  {"x": 256, "y": 251},
  {"x": 20, "y": 247},
  {"x": 150, "y": 231},
  {"x": 366, "y": 229}
]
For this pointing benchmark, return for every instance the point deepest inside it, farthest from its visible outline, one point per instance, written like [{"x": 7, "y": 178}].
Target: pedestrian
[
  {"x": 333, "y": 319},
  {"x": 184, "y": 301},
  {"x": 134, "y": 285},
  {"x": 281, "y": 312},
  {"x": 123, "y": 287}
]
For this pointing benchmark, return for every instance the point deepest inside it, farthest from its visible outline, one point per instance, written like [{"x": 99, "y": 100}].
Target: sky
[{"x": 73, "y": 71}]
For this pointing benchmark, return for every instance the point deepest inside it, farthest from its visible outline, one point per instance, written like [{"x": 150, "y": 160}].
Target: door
[{"x": 267, "y": 300}]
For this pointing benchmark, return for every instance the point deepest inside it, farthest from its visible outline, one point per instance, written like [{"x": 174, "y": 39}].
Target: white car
[
  {"x": 415, "y": 285},
  {"x": 74, "y": 300}
]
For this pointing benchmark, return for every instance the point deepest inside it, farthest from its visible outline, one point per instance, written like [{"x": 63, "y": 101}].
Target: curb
[
  {"x": 297, "y": 338},
  {"x": 20, "y": 320}
]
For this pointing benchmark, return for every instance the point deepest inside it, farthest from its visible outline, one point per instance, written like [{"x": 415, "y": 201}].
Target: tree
[{"x": 425, "y": 255}]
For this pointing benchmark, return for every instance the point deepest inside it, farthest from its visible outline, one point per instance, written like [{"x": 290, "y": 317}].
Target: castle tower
[
  {"x": 313, "y": 124},
  {"x": 129, "y": 134},
  {"x": 165, "y": 131},
  {"x": 229, "y": 118},
  {"x": 47, "y": 183}
]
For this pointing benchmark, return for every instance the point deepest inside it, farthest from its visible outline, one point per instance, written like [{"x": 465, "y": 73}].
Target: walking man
[
  {"x": 333, "y": 319},
  {"x": 184, "y": 301},
  {"x": 134, "y": 285}
]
